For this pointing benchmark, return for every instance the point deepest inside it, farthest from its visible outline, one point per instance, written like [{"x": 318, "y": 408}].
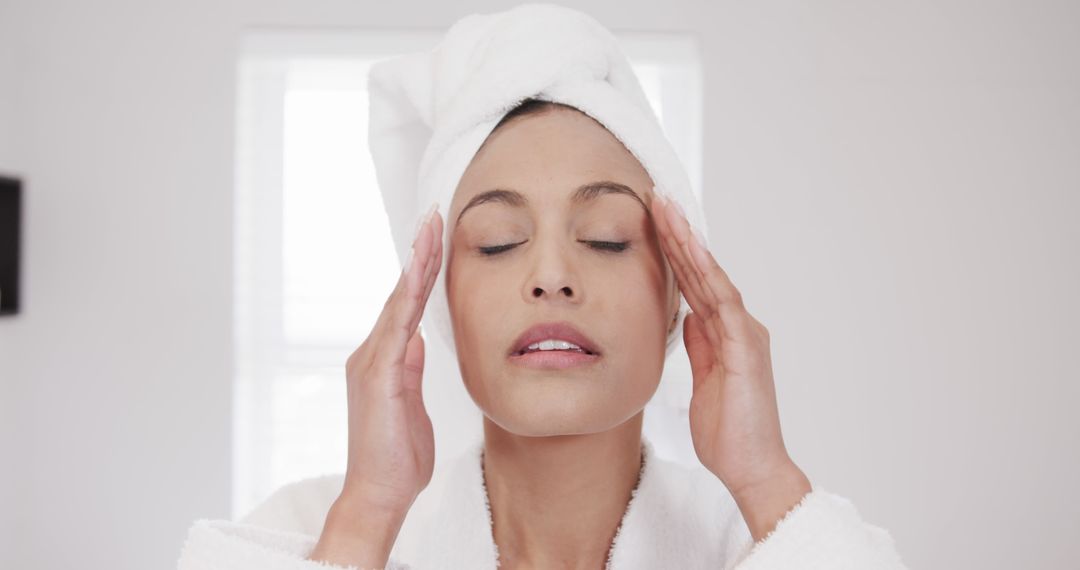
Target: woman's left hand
[{"x": 734, "y": 420}]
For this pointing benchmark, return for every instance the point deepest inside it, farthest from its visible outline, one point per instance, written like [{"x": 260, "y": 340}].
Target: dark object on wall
[{"x": 10, "y": 216}]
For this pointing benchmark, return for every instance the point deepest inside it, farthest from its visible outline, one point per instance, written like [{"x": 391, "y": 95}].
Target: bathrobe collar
[{"x": 670, "y": 522}]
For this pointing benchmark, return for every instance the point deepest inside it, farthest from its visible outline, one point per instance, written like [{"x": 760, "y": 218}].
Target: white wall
[
  {"x": 8, "y": 161},
  {"x": 117, "y": 368},
  {"x": 892, "y": 186}
]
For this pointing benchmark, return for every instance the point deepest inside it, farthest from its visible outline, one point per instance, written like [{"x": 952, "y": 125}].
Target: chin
[{"x": 557, "y": 412}]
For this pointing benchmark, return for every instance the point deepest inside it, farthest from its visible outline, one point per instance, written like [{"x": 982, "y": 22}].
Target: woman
[
  {"x": 562, "y": 449},
  {"x": 564, "y": 277}
]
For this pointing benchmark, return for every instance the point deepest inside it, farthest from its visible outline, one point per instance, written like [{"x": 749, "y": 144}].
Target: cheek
[
  {"x": 639, "y": 290},
  {"x": 643, "y": 312},
  {"x": 641, "y": 327},
  {"x": 630, "y": 302},
  {"x": 477, "y": 297}
]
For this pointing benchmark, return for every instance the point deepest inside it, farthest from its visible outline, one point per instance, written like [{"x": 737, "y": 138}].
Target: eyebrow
[{"x": 584, "y": 193}]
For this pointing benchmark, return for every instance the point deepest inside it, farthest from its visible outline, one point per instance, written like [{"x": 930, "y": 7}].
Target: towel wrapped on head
[{"x": 431, "y": 111}]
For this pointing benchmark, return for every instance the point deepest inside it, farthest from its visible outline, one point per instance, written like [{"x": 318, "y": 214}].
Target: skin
[{"x": 562, "y": 449}]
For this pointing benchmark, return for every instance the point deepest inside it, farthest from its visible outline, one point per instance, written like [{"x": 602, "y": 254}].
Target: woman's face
[{"x": 588, "y": 258}]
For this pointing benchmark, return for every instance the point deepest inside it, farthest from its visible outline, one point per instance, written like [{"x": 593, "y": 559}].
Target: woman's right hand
[{"x": 391, "y": 453}]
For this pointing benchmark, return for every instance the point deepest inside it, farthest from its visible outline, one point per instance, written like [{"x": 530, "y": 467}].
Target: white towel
[{"x": 431, "y": 111}]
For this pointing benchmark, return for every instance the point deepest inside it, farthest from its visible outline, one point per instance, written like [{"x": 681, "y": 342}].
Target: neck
[{"x": 556, "y": 502}]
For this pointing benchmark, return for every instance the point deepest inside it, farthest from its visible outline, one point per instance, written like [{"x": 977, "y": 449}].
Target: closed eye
[
  {"x": 615, "y": 246},
  {"x": 497, "y": 249},
  {"x": 612, "y": 246}
]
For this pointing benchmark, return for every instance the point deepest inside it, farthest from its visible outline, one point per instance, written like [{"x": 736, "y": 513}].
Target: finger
[
  {"x": 689, "y": 282},
  {"x": 400, "y": 322},
  {"x": 698, "y": 348},
  {"x": 431, "y": 270},
  {"x": 679, "y": 233},
  {"x": 670, "y": 249},
  {"x": 368, "y": 348},
  {"x": 437, "y": 262},
  {"x": 414, "y": 364},
  {"x": 711, "y": 311},
  {"x": 377, "y": 331},
  {"x": 424, "y": 275},
  {"x": 735, "y": 320}
]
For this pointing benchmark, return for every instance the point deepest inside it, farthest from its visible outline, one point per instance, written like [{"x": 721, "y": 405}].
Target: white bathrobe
[{"x": 678, "y": 517}]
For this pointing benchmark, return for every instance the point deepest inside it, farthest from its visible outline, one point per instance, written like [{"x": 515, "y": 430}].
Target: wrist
[
  {"x": 357, "y": 533},
  {"x": 763, "y": 503}
]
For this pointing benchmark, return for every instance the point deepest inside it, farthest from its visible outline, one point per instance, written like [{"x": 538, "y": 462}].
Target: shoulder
[{"x": 300, "y": 506}]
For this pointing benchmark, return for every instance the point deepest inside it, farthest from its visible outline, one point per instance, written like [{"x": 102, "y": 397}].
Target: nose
[{"x": 553, "y": 276}]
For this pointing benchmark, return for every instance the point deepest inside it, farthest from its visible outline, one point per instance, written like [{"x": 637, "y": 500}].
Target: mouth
[{"x": 553, "y": 345}]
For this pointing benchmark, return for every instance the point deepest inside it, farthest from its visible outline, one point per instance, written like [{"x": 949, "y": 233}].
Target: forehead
[
  {"x": 548, "y": 157},
  {"x": 585, "y": 194}
]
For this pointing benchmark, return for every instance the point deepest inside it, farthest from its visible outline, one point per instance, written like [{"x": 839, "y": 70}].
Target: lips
[{"x": 561, "y": 330}]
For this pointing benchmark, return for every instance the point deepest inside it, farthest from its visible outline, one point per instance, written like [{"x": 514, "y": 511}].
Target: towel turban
[{"x": 431, "y": 111}]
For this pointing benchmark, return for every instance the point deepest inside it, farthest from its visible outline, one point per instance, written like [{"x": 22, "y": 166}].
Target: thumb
[
  {"x": 698, "y": 347},
  {"x": 414, "y": 362}
]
